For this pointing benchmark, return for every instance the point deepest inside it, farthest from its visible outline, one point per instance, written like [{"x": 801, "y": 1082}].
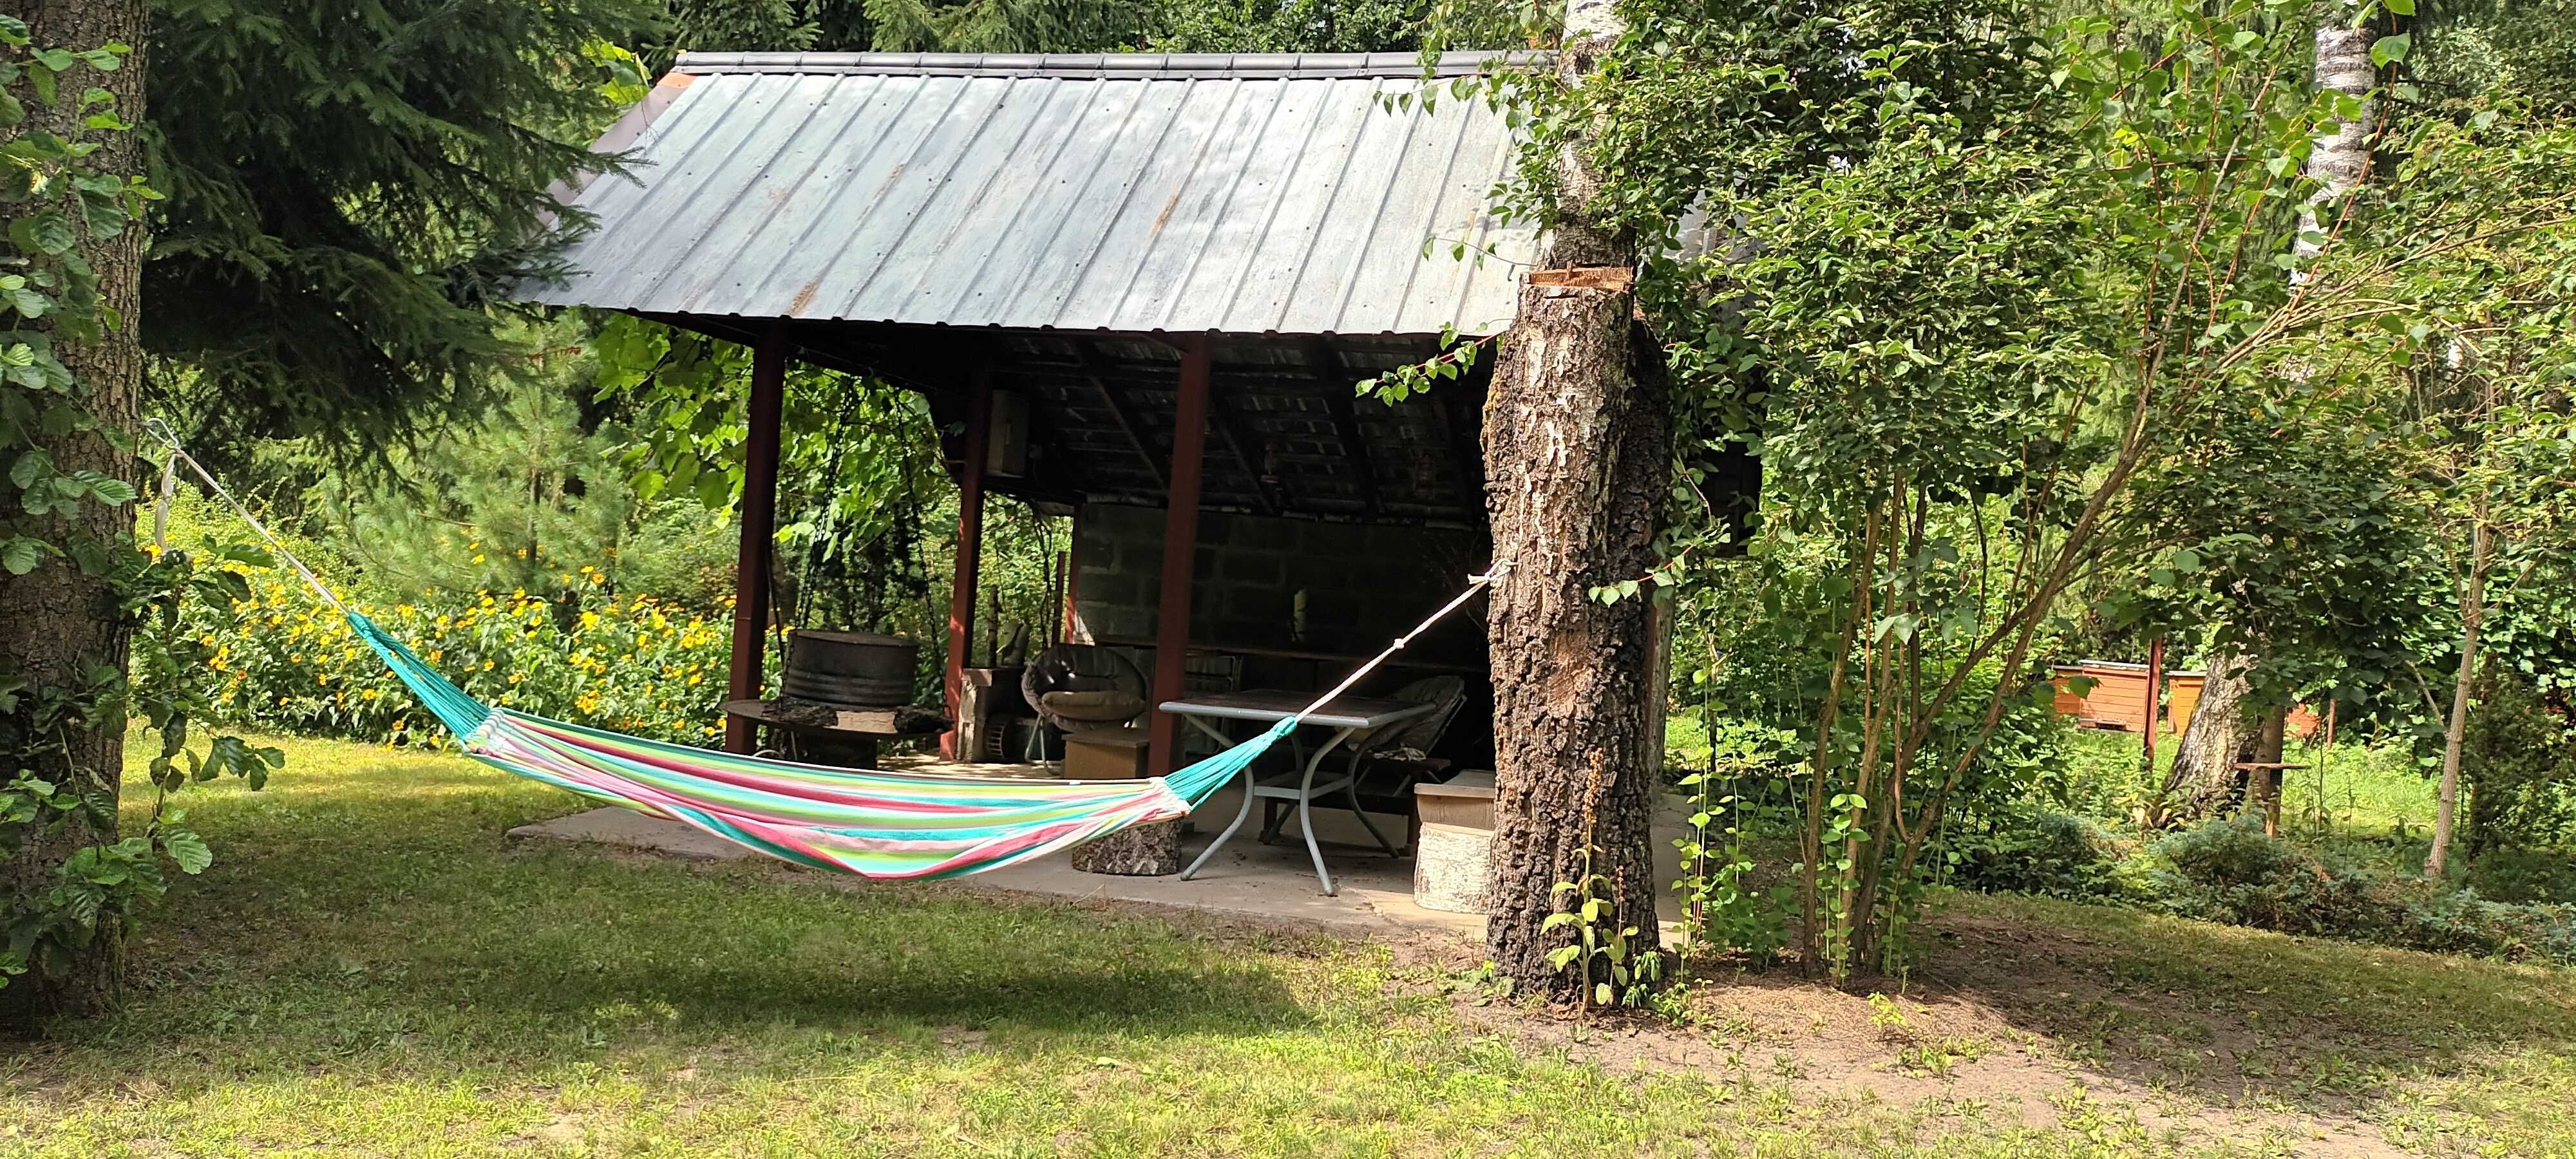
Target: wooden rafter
[
  {"x": 1094, "y": 373},
  {"x": 1336, "y": 383},
  {"x": 1220, "y": 418},
  {"x": 1229, "y": 428}
]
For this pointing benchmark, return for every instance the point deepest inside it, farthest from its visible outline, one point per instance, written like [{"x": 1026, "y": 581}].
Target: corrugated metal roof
[{"x": 1237, "y": 194}]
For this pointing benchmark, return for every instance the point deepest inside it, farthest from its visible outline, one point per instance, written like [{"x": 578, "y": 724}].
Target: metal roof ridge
[{"x": 1108, "y": 65}]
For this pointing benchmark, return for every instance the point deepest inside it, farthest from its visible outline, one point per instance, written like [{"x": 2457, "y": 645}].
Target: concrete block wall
[{"x": 1364, "y": 584}]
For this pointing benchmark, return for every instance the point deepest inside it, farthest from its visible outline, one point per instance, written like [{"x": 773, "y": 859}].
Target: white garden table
[{"x": 1346, "y": 715}]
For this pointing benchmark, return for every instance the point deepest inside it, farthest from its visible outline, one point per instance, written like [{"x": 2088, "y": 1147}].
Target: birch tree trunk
[
  {"x": 2203, "y": 778},
  {"x": 1576, "y": 467},
  {"x": 2340, "y": 162},
  {"x": 60, "y": 622},
  {"x": 2473, "y": 604}
]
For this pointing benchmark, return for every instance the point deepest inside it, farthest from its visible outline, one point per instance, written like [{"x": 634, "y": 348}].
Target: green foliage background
[{"x": 1944, "y": 222}]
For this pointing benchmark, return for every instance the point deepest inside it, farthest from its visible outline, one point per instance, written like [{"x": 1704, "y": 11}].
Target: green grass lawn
[
  {"x": 2353, "y": 788},
  {"x": 370, "y": 968}
]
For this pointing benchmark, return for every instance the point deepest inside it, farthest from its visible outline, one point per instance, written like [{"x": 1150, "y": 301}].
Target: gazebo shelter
[{"x": 1136, "y": 289}]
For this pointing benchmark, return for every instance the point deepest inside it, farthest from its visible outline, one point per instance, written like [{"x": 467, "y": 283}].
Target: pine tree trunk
[
  {"x": 2203, "y": 778},
  {"x": 60, "y": 622},
  {"x": 2473, "y": 603},
  {"x": 1575, "y": 462}
]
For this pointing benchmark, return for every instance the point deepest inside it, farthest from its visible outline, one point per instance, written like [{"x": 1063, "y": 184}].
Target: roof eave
[{"x": 1112, "y": 65}]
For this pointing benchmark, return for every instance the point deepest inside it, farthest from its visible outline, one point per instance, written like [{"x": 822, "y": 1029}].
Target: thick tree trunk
[
  {"x": 61, "y": 623},
  {"x": 2473, "y": 606},
  {"x": 2203, "y": 779},
  {"x": 1575, "y": 469},
  {"x": 1575, "y": 462}
]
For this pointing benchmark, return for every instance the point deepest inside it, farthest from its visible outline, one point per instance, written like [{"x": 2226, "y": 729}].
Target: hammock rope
[{"x": 879, "y": 824}]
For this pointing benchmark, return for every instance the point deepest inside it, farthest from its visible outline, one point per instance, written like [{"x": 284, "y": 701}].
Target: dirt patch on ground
[
  {"x": 1920, "y": 1051},
  {"x": 2021, "y": 1053}
]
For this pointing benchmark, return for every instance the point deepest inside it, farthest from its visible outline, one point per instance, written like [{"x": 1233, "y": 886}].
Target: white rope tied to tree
[
  {"x": 1475, "y": 583},
  {"x": 161, "y": 431}
]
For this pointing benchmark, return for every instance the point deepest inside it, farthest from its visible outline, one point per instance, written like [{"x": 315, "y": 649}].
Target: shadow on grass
[
  {"x": 366, "y": 905},
  {"x": 781, "y": 947},
  {"x": 2224, "y": 1013},
  {"x": 459, "y": 957}
]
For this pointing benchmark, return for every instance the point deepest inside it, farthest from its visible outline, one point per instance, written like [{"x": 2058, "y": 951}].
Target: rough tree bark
[
  {"x": 1575, "y": 430},
  {"x": 59, "y": 621},
  {"x": 2473, "y": 606},
  {"x": 1576, "y": 465}
]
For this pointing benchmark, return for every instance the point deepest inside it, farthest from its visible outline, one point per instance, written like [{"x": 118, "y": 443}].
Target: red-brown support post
[
  {"x": 2155, "y": 697},
  {"x": 1180, "y": 554},
  {"x": 1072, "y": 578},
  {"x": 753, "y": 560},
  {"x": 970, "y": 551}
]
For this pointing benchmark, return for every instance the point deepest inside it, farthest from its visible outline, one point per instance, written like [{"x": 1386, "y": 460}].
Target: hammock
[{"x": 875, "y": 824}]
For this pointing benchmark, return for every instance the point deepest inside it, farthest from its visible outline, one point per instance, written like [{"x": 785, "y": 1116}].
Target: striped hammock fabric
[{"x": 876, "y": 824}]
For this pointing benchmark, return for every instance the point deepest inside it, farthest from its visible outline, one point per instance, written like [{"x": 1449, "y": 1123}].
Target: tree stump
[{"x": 1144, "y": 851}]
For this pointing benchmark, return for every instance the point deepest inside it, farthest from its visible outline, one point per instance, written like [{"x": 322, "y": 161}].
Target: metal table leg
[
  {"x": 1270, "y": 826},
  {"x": 1305, "y": 811},
  {"x": 1239, "y": 814},
  {"x": 1351, "y": 791},
  {"x": 1305, "y": 806},
  {"x": 1222, "y": 838}
]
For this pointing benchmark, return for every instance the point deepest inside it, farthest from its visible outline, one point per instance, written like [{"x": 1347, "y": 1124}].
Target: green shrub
[
  {"x": 1739, "y": 792},
  {"x": 2053, "y": 854},
  {"x": 2461, "y": 922},
  {"x": 634, "y": 665},
  {"x": 2520, "y": 768},
  {"x": 2102, "y": 774},
  {"x": 2525, "y": 875},
  {"x": 2228, "y": 871}
]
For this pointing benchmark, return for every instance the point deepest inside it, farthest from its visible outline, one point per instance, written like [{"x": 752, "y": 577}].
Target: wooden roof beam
[
  {"x": 1231, "y": 430},
  {"x": 1094, "y": 373},
  {"x": 1334, "y": 378}
]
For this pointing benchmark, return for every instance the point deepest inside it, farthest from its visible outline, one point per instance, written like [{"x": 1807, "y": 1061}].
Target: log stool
[
  {"x": 1453, "y": 858},
  {"x": 1145, "y": 851}
]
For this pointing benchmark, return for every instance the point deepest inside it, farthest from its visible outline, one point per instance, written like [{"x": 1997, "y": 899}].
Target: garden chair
[
  {"x": 1078, "y": 688},
  {"x": 1388, "y": 762}
]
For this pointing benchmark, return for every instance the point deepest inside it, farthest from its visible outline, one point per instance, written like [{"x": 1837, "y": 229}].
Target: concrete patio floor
[{"x": 1247, "y": 879}]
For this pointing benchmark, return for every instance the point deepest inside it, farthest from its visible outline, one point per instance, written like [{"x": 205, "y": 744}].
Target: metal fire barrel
[{"x": 859, "y": 669}]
